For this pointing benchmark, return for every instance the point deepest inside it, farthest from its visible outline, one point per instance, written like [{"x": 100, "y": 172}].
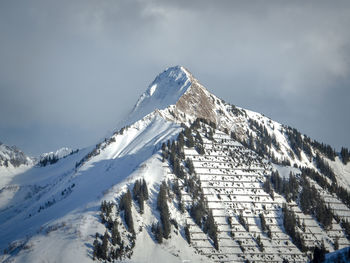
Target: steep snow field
[{"x": 60, "y": 193}]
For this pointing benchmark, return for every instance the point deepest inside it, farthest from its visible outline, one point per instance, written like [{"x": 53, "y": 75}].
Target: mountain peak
[
  {"x": 175, "y": 86},
  {"x": 165, "y": 90}
]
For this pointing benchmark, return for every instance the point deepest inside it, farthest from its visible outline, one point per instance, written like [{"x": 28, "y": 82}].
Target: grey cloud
[{"x": 72, "y": 69}]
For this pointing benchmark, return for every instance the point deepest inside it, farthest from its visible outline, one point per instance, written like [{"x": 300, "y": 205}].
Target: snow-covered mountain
[
  {"x": 12, "y": 156},
  {"x": 12, "y": 161},
  {"x": 186, "y": 177}
]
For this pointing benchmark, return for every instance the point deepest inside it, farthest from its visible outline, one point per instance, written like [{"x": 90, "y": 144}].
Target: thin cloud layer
[{"x": 69, "y": 70}]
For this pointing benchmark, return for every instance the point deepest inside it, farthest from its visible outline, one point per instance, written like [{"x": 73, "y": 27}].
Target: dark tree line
[
  {"x": 100, "y": 250},
  {"x": 340, "y": 191},
  {"x": 177, "y": 191},
  {"x": 125, "y": 205},
  {"x": 140, "y": 193},
  {"x": 157, "y": 230},
  {"x": 199, "y": 144},
  {"x": 346, "y": 226},
  {"x": 203, "y": 217},
  {"x": 309, "y": 199},
  {"x": 324, "y": 168},
  {"x": 173, "y": 152},
  {"x": 327, "y": 150},
  {"x": 289, "y": 224},
  {"x": 235, "y": 111},
  {"x": 287, "y": 188},
  {"x": 264, "y": 138},
  {"x": 211, "y": 229},
  {"x": 48, "y": 160},
  {"x": 312, "y": 203},
  {"x": 187, "y": 234},
  {"x": 260, "y": 244},
  {"x": 265, "y": 227},
  {"x": 105, "y": 211},
  {"x": 189, "y": 138},
  {"x": 345, "y": 155},
  {"x": 110, "y": 246},
  {"x": 162, "y": 206},
  {"x": 298, "y": 143},
  {"x": 198, "y": 211},
  {"x": 242, "y": 221}
]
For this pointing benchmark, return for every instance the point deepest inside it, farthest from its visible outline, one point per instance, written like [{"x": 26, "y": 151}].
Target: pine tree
[
  {"x": 159, "y": 234},
  {"x": 198, "y": 138},
  {"x": 163, "y": 146},
  {"x": 197, "y": 212},
  {"x": 181, "y": 140},
  {"x": 104, "y": 248},
  {"x": 293, "y": 186},
  {"x": 187, "y": 234},
  {"x": 210, "y": 135},
  {"x": 267, "y": 186},
  {"x": 116, "y": 239},
  {"x": 211, "y": 228},
  {"x": 269, "y": 233},
  {"x": 263, "y": 222},
  {"x": 260, "y": 244},
  {"x": 336, "y": 243},
  {"x": 345, "y": 155},
  {"x": 141, "y": 202},
  {"x": 140, "y": 193},
  {"x": 200, "y": 149},
  {"x": 136, "y": 190},
  {"x": 144, "y": 189},
  {"x": 242, "y": 221},
  {"x": 189, "y": 165},
  {"x": 325, "y": 168},
  {"x": 97, "y": 253},
  {"x": 162, "y": 206},
  {"x": 125, "y": 204}
]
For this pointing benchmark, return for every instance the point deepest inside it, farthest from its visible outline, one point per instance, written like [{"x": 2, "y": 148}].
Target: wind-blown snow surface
[
  {"x": 60, "y": 197},
  {"x": 69, "y": 239}
]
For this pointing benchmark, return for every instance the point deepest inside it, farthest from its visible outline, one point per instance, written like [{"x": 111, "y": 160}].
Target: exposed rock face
[
  {"x": 176, "y": 86},
  {"x": 197, "y": 100}
]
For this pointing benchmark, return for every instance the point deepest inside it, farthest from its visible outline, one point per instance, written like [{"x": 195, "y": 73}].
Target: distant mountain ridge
[
  {"x": 223, "y": 184},
  {"x": 11, "y": 155}
]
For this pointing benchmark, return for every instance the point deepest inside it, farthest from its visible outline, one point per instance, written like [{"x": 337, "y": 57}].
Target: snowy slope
[
  {"x": 50, "y": 213},
  {"x": 60, "y": 195}
]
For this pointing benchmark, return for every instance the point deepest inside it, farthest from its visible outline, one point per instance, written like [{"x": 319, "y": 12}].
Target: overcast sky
[{"x": 70, "y": 70}]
